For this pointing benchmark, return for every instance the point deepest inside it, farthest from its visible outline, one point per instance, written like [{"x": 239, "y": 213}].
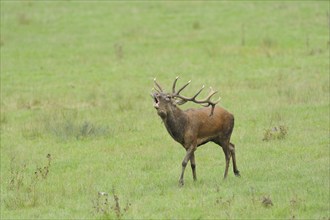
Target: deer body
[{"x": 195, "y": 127}]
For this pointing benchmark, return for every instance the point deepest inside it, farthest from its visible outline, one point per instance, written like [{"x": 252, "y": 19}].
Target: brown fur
[{"x": 195, "y": 127}]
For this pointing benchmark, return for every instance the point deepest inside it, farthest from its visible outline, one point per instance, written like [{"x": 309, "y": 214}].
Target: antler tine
[
  {"x": 183, "y": 87},
  {"x": 174, "y": 84},
  {"x": 209, "y": 102},
  {"x": 159, "y": 87},
  {"x": 174, "y": 93},
  {"x": 198, "y": 92},
  {"x": 207, "y": 99}
]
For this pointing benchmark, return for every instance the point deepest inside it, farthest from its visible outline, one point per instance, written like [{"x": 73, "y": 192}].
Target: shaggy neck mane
[{"x": 175, "y": 123}]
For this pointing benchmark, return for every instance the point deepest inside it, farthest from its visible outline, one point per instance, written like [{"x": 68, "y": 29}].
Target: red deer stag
[{"x": 195, "y": 127}]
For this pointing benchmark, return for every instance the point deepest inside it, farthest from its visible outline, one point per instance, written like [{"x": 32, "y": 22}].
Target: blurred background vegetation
[{"x": 75, "y": 83}]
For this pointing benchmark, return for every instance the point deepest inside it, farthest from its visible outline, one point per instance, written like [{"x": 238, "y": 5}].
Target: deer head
[{"x": 164, "y": 102}]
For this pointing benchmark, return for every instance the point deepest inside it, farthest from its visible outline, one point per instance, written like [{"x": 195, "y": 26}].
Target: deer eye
[{"x": 168, "y": 98}]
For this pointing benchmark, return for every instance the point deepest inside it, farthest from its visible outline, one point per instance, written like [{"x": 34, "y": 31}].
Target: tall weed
[
  {"x": 23, "y": 187},
  {"x": 103, "y": 205}
]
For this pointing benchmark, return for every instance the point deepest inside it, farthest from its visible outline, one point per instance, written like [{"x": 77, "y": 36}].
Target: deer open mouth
[{"x": 156, "y": 102}]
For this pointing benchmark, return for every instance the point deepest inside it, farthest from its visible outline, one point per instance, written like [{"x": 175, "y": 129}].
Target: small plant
[
  {"x": 42, "y": 173},
  {"x": 22, "y": 187},
  {"x": 275, "y": 133},
  {"x": 253, "y": 196},
  {"x": 102, "y": 205},
  {"x": 23, "y": 19},
  {"x": 225, "y": 202},
  {"x": 267, "y": 44},
  {"x": 266, "y": 201},
  {"x": 119, "y": 52},
  {"x": 17, "y": 176},
  {"x": 196, "y": 25},
  {"x": 3, "y": 119},
  {"x": 295, "y": 203}
]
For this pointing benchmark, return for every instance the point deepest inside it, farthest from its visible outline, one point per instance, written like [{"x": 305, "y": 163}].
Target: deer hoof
[
  {"x": 181, "y": 183},
  {"x": 237, "y": 173}
]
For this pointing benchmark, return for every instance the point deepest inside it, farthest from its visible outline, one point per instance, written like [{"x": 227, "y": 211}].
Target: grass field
[{"x": 80, "y": 138}]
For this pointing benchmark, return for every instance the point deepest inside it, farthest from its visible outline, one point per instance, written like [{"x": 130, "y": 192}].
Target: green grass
[{"x": 75, "y": 83}]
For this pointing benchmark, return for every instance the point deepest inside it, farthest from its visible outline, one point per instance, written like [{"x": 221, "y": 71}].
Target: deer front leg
[
  {"x": 193, "y": 165},
  {"x": 189, "y": 152}
]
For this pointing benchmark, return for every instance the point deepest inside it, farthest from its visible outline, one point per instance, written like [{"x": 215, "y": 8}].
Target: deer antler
[
  {"x": 159, "y": 87},
  {"x": 204, "y": 102},
  {"x": 182, "y": 88}
]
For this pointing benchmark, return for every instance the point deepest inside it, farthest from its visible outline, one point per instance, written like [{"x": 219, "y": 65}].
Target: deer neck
[{"x": 175, "y": 123}]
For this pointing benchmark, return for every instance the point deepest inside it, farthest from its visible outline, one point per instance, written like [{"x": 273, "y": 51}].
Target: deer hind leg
[
  {"x": 185, "y": 161},
  {"x": 232, "y": 151},
  {"x": 226, "y": 150}
]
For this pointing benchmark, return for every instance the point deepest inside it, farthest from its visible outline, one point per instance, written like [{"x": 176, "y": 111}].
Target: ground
[{"x": 79, "y": 135}]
